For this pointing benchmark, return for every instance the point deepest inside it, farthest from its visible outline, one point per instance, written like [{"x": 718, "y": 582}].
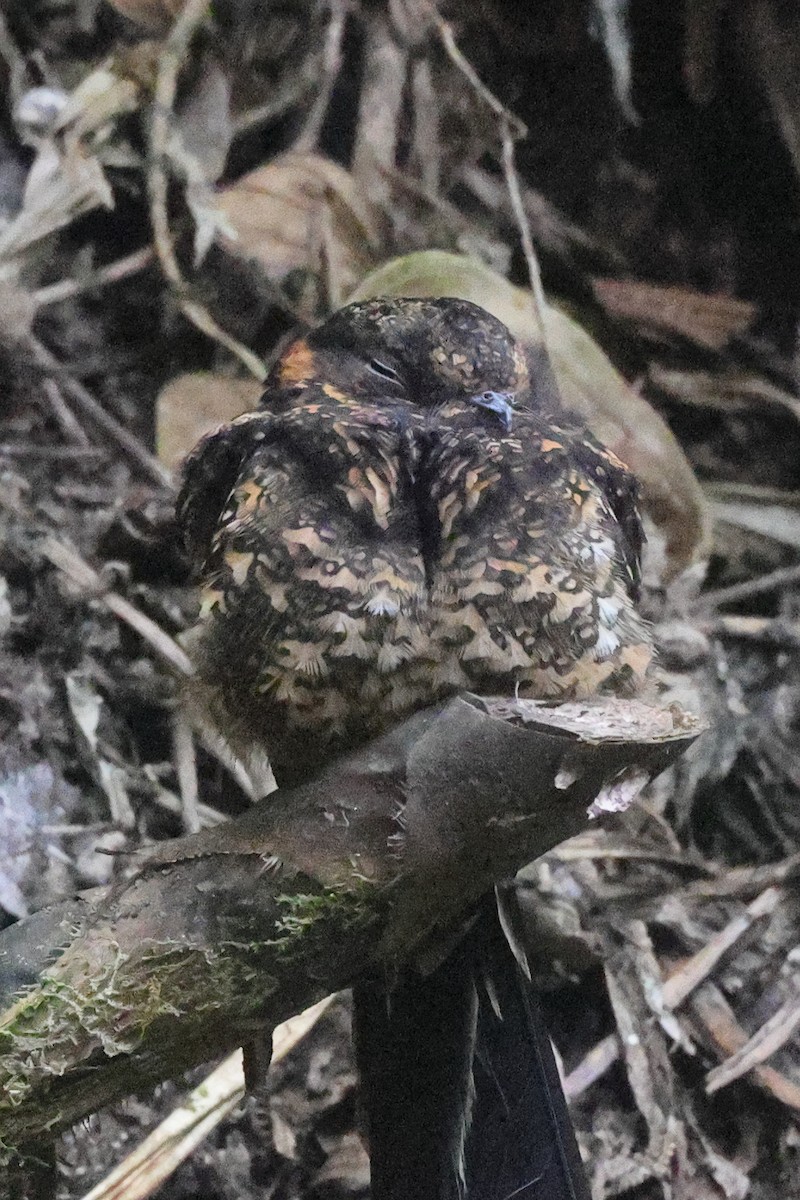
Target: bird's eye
[{"x": 388, "y": 373}]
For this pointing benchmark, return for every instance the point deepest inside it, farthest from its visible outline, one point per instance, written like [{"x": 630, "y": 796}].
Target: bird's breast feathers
[{"x": 365, "y": 565}]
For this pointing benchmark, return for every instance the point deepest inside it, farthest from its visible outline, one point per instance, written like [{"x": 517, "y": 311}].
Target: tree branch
[{"x": 229, "y": 931}]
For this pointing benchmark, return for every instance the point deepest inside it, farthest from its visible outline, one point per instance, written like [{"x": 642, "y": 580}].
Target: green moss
[{"x": 309, "y": 918}]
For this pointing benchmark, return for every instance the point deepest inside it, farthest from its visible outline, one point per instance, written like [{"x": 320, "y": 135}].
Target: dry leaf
[
  {"x": 733, "y": 389},
  {"x": 154, "y": 15},
  {"x": 708, "y": 321},
  {"x": 191, "y": 405},
  {"x": 302, "y": 211},
  {"x": 781, "y": 522},
  {"x": 589, "y": 383}
]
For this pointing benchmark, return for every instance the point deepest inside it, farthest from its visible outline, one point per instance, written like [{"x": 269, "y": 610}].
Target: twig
[
  {"x": 186, "y": 770},
  {"x": 294, "y": 90},
  {"x": 524, "y": 226},
  {"x": 380, "y": 105},
  {"x": 765, "y": 1042},
  {"x": 127, "y": 442},
  {"x": 219, "y": 749},
  {"x": 331, "y": 63},
  {"x": 518, "y": 128},
  {"x": 65, "y": 289},
  {"x": 167, "y": 799},
  {"x": 552, "y": 226},
  {"x": 172, "y": 58},
  {"x": 87, "y": 579},
  {"x": 78, "y": 570},
  {"x": 772, "y": 631},
  {"x": 783, "y": 577},
  {"x": 745, "y": 881},
  {"x": 68, "y": 422},
  {"x": 171, "y": 1143},
  {"x": 334, "y": 289},
  {"x": 683, "y": 981},
  {"x": 677, "y": 988},
  {"x": 591, "y": 847},
  {"x": 63, "y": 453},
  {"x": 710, "y": 1009},
  {"x": 593, "y": 1066},
  {"x": 427, "y": 142},
  {"x": 512, "y": 129}
]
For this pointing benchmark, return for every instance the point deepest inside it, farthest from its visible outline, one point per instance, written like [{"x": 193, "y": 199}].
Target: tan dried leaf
[
  {"x": 302, "y": 211},
  {"x": 154, "y": 15},
  {"x": 191, "y": 405},
  {"x": 708, "y": 321}
]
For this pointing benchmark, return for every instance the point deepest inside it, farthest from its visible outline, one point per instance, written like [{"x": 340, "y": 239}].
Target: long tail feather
[
  {"x": 521, "y": 1143},
  {"x": 460, "y": 1088}
]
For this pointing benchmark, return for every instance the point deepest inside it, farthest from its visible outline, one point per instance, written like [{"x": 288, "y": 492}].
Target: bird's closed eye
[{"x": 386, "y": 372}]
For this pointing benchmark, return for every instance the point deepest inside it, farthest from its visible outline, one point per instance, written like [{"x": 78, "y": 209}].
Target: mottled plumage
[
  {"x": 409, "y": 514},
  {"x": 374, "y": 538}
]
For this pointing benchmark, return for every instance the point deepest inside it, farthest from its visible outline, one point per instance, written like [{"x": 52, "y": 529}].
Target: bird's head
[{"x": 428, "y": 353}]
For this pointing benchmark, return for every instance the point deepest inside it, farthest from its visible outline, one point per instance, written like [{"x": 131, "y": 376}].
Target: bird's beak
[{"x": 497, "y": 402}]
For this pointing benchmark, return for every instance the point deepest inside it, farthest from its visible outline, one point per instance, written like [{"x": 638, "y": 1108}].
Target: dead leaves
[
  {"x": 155, "y": 16},
  {"x": 707, "y": 321},
  {"x": 193, "y": 404},
  {"x": 303, "y": 213}
]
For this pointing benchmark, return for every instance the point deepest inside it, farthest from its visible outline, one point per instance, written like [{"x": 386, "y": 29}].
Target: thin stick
[
  {"x": 52, "y": 453},
  {"x": 331, "y": 63},
  {"x": 524, "y": 227},
  {"x": 292, "y": 91},
  {"x": 680, "y": 984},
  {"x": 783, "y": 577},
  {"x": 710, "y": 1009},
  {"x": 766, "y": 1041},
  {"x": 172, "y": 58},
  {"x": 683, "y": 981},
  {"x": 519, "y": 128},
  {"x": 166, "y": 799},
  {"x": 126, "y": 441},
  {"x": 186, "y": 770},
  {"x": 86, "y": 578},
  {"x": 68, "y": 423},
  {"x": 771, "y": 630},
  {"x": 512, "y": 129},
  {"x": 78, "y": 570},
  {"x": 65, "y": 289},
  {"x": 171, "y": 1143}
]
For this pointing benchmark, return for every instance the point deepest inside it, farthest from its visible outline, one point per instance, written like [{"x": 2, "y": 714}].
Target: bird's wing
[
  {"x": 621, "y": 491},
  {"x": 209, "y": 475},
  {"x": 301, "y": 527}
]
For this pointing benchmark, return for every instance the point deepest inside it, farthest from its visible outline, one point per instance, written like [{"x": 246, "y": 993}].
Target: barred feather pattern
[{"x": 360, "y": 561}]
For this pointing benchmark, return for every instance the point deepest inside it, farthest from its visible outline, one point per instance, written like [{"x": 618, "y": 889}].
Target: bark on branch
[{"x": 221, "y": 935}]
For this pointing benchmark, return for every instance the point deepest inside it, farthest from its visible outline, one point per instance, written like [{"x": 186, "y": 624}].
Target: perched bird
[{"x": 409, "y": 514}]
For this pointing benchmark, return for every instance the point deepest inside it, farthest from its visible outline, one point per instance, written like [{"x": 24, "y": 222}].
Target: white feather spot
[
  {"x": 383, "y": 604},
  {"x": 609, "y": 611},
  {"x": 607, "y": 642}
]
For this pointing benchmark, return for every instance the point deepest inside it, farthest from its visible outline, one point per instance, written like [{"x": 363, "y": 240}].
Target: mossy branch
[{"x": 223, "y": 934}]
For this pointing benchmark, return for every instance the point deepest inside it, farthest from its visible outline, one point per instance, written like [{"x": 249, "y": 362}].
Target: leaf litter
[{"x": 178, "y": 194}]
